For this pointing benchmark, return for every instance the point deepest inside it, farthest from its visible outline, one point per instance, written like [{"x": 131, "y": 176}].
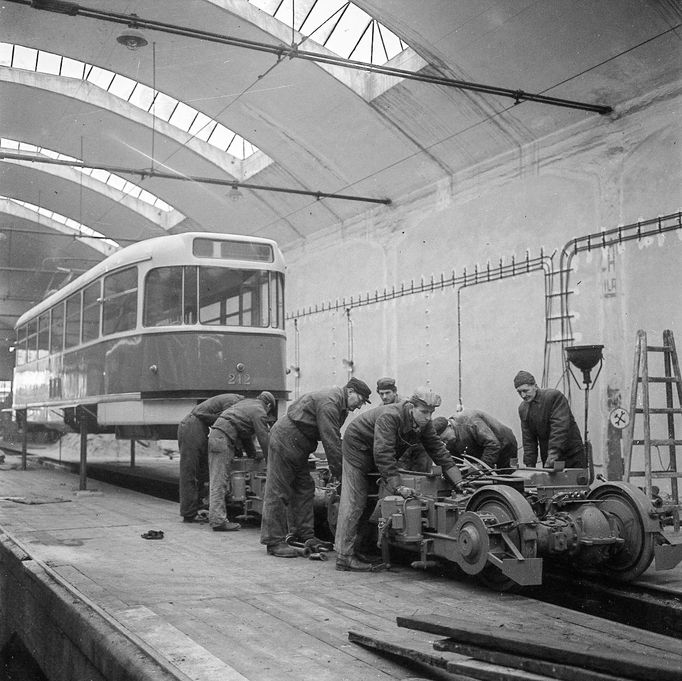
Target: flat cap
[
  {"x": 523, "y": 378},
  {"x": 386, "y": 383},
  {"x": 360, "y": 387}
]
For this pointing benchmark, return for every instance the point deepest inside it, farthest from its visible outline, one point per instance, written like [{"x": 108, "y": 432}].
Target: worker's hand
[
  {"x": 405, "y": 492},
  {"x": 453, "y": 475}
]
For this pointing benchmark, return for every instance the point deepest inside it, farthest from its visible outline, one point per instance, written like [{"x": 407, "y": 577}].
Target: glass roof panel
[
  {"x": 122, "y": 87},
  {"x": 48, "y": 63},
  {"x": 24, "y": 58},
  {"x": 99, "y": 174},
  {"x": 163, "y": 106},
  {"x": 138, "y": 94},
  {"x": 338, "y": 25},
  {"x": 183, "y": 116},
  {"x": 79, "y": 229},
  {"x": 100, "y": 77}
]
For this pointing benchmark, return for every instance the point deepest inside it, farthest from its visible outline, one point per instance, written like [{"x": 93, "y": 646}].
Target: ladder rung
[
  {"x": 660, "y": 410},
  {"x": 658, "y": 348},
  {"x": 560, "y": 316},
  {"x": 656, "y": 474},
  {"x": 560, "y": 340},
  {"x": 558, "y": 295},
  {"x": 661, "y": 379},
  {"x": 658, "y": 443}
]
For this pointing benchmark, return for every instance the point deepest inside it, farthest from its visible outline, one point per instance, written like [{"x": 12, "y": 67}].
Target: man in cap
[
  {"x": 192, "y": 443},
  {"x": 374, "y": 441},
  {"x": 473, "y": 432},
  {"x": 547, "y": 421},
  {"x": 388, "y": 392},
  {"x": 237, "y": 424},
  {"x": 289, "y": 488}
]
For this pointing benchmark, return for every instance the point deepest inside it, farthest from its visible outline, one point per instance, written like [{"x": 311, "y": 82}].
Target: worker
[
  {"x": 374, "y": 442},
  {"x": 192, "y": 443},
  {"x": 289, "y": 488},
  {"x": 547, "y": 422},
  {"x": 474, "y": 433},
  {"x": 388, "y": 392},
  {"x": 235, "y": 425}
]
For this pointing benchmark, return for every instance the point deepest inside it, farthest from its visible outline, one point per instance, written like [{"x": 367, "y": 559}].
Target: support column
[{"x": 83, "y": 423}]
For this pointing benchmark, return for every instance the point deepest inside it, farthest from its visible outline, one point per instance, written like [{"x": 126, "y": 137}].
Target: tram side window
[
  {"x": 20, "y": 347},
  {"x": 120, "y": 301},
  {"x": 91, "y": 307},
  {"x": 277, "y": 300},
  {"x": 44, "y": 335},
  {"x": 57, "y": 328},
  {"x": 72, "y": 330},
  {"x": 233, "y": 297},
  {"x": 163, "y": 297},
  {"x": 32, "y": 341}
]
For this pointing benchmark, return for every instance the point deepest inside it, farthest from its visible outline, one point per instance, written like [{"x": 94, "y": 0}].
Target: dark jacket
[
  {"x": 209, "y": 410},
  {"x": 547, "y": 421},
  {"x": 319, "y": 416},
  {"x": 483, "y": 436},
  {"x": 244, "y": 419},
  {"x": 377, "y": 438}
]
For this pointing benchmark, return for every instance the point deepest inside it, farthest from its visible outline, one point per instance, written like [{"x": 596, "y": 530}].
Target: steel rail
[{"x": 149, "y": 172}]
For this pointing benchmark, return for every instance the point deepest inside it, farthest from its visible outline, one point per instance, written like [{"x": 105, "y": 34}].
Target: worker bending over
[
  {"x": 238, "y": 424},
  {"x": 474, "y": 433},
  {"x": 289, "y": 488},
  {"x": 374, "y": 441},
  {"x": 192, "y": 443}
]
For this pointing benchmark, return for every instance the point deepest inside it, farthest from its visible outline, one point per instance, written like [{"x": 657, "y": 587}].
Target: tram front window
[{"x": 216, "y": 296}]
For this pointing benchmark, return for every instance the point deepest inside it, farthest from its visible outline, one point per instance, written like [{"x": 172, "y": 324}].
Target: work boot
[
  {"x": 368, "y": 557},
  {"x": 227, "y": 526},
  {"x": 353, "y": 564},
  {"x": 282, "y": 550}
]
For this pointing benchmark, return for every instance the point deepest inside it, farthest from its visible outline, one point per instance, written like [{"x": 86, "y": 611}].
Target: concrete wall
[{"x": 602, "y": 173}]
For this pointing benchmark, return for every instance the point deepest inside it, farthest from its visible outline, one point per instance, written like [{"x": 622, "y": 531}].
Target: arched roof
[{"x": 284, "y": 120}]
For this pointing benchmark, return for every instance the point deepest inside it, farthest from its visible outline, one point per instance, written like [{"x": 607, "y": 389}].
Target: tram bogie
[{"x": 501, "y": 528}]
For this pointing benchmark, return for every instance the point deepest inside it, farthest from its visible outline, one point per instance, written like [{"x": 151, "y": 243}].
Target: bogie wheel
[
  {"x": 504, "y": 504},
  {"x": 628, "y": 506}
]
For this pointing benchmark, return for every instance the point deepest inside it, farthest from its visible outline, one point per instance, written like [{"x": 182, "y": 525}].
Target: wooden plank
[
  {"x": 472, "y": 668},
  {"x": 552, "y": 669},
  {"x": 620, "y": 662},
  {"x": 187, "y": 655}
]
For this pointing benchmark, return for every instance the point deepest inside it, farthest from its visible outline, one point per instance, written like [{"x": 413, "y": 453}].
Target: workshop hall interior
[{"x": 502, "y": 185}]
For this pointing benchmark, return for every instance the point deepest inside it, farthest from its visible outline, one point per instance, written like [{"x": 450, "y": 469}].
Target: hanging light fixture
[
  {"x": 234, "y": 193},
  {"x": 131, "y": 39}
]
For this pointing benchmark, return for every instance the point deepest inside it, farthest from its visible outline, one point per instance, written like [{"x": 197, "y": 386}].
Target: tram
[{"x": 130, "y": 346}]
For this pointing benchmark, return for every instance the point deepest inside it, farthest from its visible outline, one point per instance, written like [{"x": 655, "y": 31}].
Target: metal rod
[
  {"x": 292, "y": 52},
  {"x": 143, "y": 173}
]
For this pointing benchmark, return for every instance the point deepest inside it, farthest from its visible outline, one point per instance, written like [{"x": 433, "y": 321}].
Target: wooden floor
[{"x": 218, "y": 608}]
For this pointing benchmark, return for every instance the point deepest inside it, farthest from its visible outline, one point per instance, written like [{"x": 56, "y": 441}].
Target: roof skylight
[
  {"x": 161, "y": 105},
  {"x": 340, "y": 26},
  {"x": 80, "y": 231},
  {"x": 104, "y": 176}
]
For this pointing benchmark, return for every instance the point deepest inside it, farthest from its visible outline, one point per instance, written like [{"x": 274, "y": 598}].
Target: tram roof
[{"x": 164, "y": 251}]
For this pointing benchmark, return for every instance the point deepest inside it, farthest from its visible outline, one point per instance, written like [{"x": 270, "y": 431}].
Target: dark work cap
[
  {"x": 523, "y": 378},
  {"x": 386, "y": 383},
  {"x": 360, "y": 387},
  {"x": 440, "y": 423}
]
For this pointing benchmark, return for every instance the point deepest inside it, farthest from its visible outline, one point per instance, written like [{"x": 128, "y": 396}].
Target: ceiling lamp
[
  {"x": 131, "y": 39},
  {"x": 234, "y": 193}
]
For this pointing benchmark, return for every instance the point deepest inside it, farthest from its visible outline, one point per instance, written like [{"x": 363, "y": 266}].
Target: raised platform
[{"x": 213, "y": 606}]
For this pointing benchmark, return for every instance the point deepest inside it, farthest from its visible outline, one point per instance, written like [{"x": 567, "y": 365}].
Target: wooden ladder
[{"x": 671, "y": 377}]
